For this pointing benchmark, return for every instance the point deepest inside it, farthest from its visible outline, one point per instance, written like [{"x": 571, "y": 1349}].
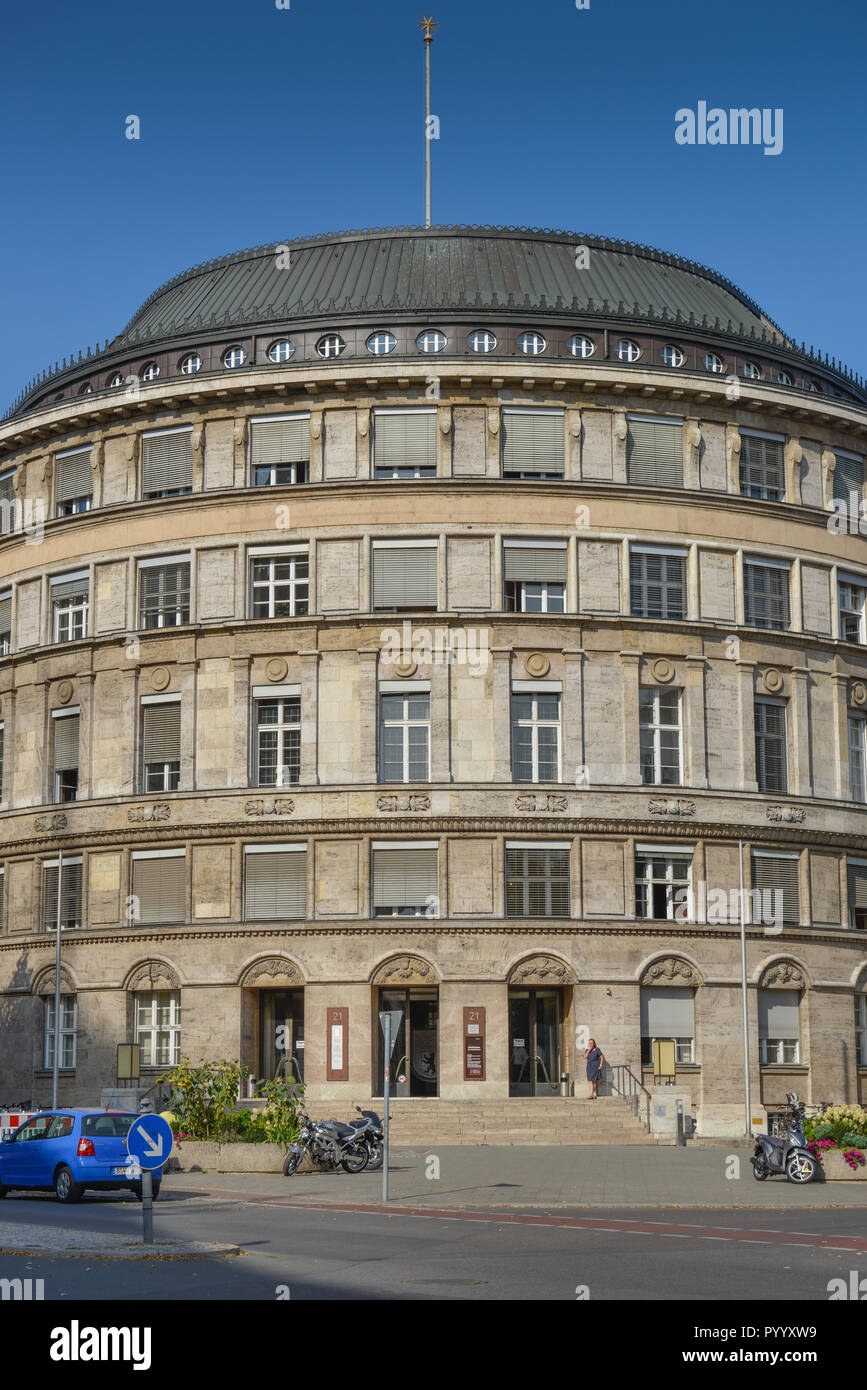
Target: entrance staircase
[{"x": 519, "y": 1120}]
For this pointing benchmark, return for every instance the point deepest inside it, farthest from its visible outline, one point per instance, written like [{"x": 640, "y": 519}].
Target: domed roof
[{"x": 443, "y": 270}]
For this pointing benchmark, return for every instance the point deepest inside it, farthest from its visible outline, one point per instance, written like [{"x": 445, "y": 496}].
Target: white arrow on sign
[{"x": 156, "y": 1145}]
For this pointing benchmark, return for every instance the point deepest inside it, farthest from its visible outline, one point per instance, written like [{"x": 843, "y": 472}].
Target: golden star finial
[{"x": 429, "y": 28}]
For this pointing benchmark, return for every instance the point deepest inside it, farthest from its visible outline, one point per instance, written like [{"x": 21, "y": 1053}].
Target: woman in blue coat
[{"x": 595, "y": 1063}]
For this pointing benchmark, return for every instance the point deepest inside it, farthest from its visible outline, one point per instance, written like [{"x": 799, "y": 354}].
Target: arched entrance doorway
[
  {"x": 539, "y": 990},
  {"x": 276, "y": 1018},
  {"x": 409, "y": 986}
]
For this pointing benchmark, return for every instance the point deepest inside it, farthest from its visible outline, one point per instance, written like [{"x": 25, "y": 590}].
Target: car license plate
[{"x": 127, "y": 1172}]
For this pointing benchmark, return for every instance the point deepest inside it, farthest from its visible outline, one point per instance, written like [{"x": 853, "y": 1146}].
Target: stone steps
[{"x": 519, "y": 1121}]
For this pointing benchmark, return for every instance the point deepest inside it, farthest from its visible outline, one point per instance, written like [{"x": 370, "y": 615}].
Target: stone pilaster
[
  {"x": 747, "y": 724},
  {"x": 630, "y": 665},
  {"x": 502, "y": 659},
  {"x": 695, "y": 770},
  {"x": 309, "y": 775}
]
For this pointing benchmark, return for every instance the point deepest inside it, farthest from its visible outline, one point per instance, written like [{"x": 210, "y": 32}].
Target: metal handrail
[{"x": 626, "y": 1084}]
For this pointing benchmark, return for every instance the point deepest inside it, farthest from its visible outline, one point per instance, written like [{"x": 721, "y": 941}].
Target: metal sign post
[
  {"x": 58, "y": 1031},
  {"x": 389, "y": 1022},
  {"x": 149, "y": 1142}
]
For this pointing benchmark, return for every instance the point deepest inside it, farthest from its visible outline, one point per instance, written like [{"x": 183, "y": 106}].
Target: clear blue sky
[{"x": 259, "y": 124}]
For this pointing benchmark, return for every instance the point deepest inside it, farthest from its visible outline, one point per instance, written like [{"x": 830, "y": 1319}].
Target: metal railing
[{"x": 626, "y": 1084}]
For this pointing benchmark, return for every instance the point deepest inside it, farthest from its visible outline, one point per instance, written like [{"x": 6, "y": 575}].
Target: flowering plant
[{"x": 854, "y": 1158}]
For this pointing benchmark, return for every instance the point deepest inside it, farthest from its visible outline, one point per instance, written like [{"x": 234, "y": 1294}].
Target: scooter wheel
[
  {"x": 291, "y": 1164},
  {"x": 760, "y": 1169},
  {"x": 800, "y": 1167}
]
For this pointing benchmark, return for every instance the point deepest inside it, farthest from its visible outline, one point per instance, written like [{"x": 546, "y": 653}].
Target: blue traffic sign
[{"x": 149, "y": 1141}]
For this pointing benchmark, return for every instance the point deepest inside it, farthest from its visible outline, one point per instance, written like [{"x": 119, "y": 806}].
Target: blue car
[{"x": 71, "y": 1150}]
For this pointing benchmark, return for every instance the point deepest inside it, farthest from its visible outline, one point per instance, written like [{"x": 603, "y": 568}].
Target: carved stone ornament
[
  {"x": 786, "y": 815},
  {"x": 363, "y": 422},
  {"x": 672, "y": 971},
  {"x": 154, "y": 974},
  {"x": 858, "y": 693},
  {"x": 670, "y": 806},
  {"x": 58, "y": 821},
  {"x": 160, "y": 678},
  {"x": 403, "y": 970},
  {"x": 493, "y": 422},
  {"x": 271, "y": 970},
  {"x": 662, "y": 670},
  {"x": 621, "y": 428},
  {"x": 145, "y": 815},
  {"x": 783, "y": 975},
  {"x": 537, "y": 665},
  {"x": 404, "y": 669},
  {"x": 274, "y": 806},
  {"x": 541, "y": 970},
  {"x": 403, "y": 803},
  {"x": 772, "y": 680},
  {"x": 276, "y": 669},
  {"x": 445, "y": 418},
  {"x": 64, "y": 692},
  {"x": 45, "y": 984},
  {"x": 551, "y": 802}
]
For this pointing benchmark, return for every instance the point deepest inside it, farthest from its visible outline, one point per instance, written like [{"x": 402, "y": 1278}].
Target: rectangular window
[
  {"x": 279, "y": 586},
  {"x": 73, "y": 490},
  {"x": 5, "y": 622},
  {"x": 654, "y": 451},
  {"x": 278, "y": 742},
  {"x": 857, "y": 786},
  {"x": 766, "y": 595},
  {"x": 762, "y": 474},
  {"x": 667, "y": 1013},
  {"x": 70, "y": 594},
  {"x": 771, "y": 745},
  {"x": 404, "y": 735},
  {"x": 7, "y": 502},
  {"x": 165, "y": 594},
  {"x": 405, "y": 443},
  {"x": 851, "y": 601},
  {"x": 68, "y": 1013},
  {"x": 535, "y": 733},
  {"x": 280, "y": 450},
  {"x": 537, "y": 880},
  {"x": 779, "y": 1027},
  {"x": 659, "y": 720},
  {"x": 657, "y": 583},
  {"x": 861, "y": 1030},
  {"x": 161, "y": 744},
  {"x": 663, "y": 883},
  {"x": 405, "y": 575},
  {"x": 159, "y": 885},
  {"x": 849, "y": 478},
  {"x": 275, "y": 882},
  {"x": 70, "y": 893},
  {"x": 534, "y": 577},
  {"x": 66, "y": 735},
  {"x": 405, "y": 880},
  {"x": 856, "y": 875},
  {"x": 533, "y": 443},
  {"x": 167, "y": 462},
  {"x": 2, "y": 752},
  {"x": 775, "y": 876},
  {"x": 158, "y": 1027}
]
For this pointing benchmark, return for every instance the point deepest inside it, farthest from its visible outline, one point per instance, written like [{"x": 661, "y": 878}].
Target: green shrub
[
  {"x": 203, "y": 1096},
  {"x": 279, "y": 1118},
  {"x": 854, "y": 1141}
]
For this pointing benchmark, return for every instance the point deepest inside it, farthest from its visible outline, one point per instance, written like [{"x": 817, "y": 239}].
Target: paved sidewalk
[
  {"x": 22, "y": 1238},
  {"x": 557, "y": 1176}
]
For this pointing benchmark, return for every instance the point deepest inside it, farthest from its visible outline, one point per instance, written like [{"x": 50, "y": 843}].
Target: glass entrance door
[
  {"x": 415, "y": 1050},
  {"x": 281, "y": 1034},
  {"x": 535, "y": 1042}
]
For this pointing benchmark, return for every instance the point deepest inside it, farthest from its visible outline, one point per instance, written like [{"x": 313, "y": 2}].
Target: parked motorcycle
[
  {"x": 790, "y": 1155},
  {"x": 330, "y": 1144},
  {"x": 370, "y": 1128}
]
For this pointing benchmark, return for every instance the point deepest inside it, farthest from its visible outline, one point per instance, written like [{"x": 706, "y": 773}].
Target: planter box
[
  {"x": 836, "y": 1168},
  {"x": 194, "y": 1156}
]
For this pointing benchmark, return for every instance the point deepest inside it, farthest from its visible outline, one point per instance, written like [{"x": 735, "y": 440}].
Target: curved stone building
[{"x": 449, "y": 621}]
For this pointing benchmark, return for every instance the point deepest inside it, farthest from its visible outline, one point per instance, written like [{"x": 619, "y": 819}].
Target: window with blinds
[
  {"x": 857, "y": 780},
  {"x": 404, "y": 576},
  {"x": 405, "y": 443},
  {"x": 405, "y": 882},
  {"x": 2, "y": 896},
  {"x": 280, "y": 450},
  {"x": 7, "y": 503},
  {"x": 761, "y": 469},
  {"x": 533, "y": 443},
  {"x": 275, "y": 884},
  {"x": 165, "y": 595},
  {"x": 667, "y": 1012},
  {"x": 534, "y": 578},
  {"x": 161, "y": 746},
  {"x": 5, "y": 622},
  {"x": 766, "y": 595},
  {"x": 657, "y": 584},
  {"x": 849, "y": 478},
  {"x": 2, "y": 753},
  {"x": 856, "y": 875},
  {"x": 159, "y": 885},
  {"x": 73, "y": 488},
  {"x": 771, "y": 751},
  {"x": 70, "y": 894},
  {"x": 775, "y": 877},
  {"x": 70, "y": 596},
  {"x": 66, "y": 732},
  {"x": 779, "y": 1026},
  {"x": 167, "y": 463},
  {"x": 654, "y": 452},
  {"x": 537, "y": 881}
]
